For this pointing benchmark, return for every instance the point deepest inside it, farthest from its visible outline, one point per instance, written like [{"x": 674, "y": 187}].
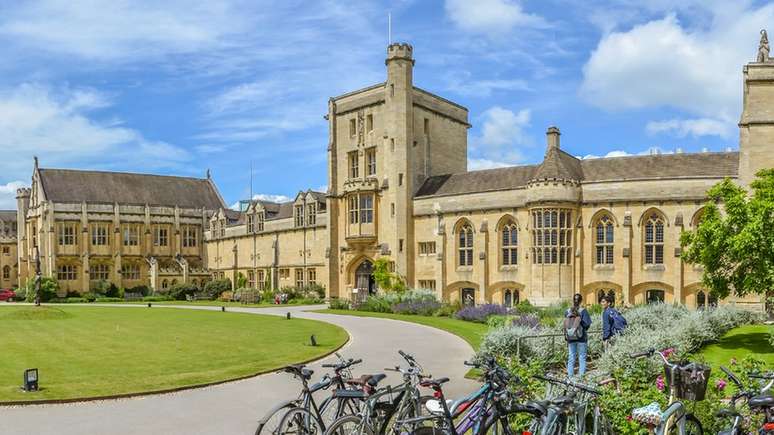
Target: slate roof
[
  {"x": 8, "y": 225},
  {"x": 561, "y": 165},
  {"x": 67, "y": 185}
]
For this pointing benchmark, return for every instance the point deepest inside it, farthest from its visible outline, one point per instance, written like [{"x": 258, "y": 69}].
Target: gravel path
[{"x": 235, "y": 407}]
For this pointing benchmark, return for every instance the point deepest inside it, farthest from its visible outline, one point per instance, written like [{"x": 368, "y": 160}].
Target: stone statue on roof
[{"x": 763, "y": 47}]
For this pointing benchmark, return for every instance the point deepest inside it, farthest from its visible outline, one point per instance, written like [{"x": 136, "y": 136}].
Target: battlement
[
  {"x": 23, "y": 192},
  {"x": 399, "y": 51}
]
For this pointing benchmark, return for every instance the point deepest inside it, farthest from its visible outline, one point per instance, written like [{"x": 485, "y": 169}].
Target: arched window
[
  {"x": 164, "y": 284},
  {"x": 604, "y": 240},
  {"x": 600, "y": 294},
  {"x": 465, "y": 245},
  {"x": 654, "y": 296},
  {"x": 701, "y": 300},
  {"x": 6, "y": 272},
  {"x": 510, "y": 241},
  {"x": 551, "y": 236},
  {"x": 654, "y": 239},
  {"x": 507, "y": 298}
]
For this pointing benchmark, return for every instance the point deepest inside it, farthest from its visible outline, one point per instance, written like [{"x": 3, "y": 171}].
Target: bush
[
  {"x": 181, "y": 291},
  {"x": 20, "y": 294},
  {"x": 338, "y": 304},
  {"x": 421, "y": 307},
  {"x": 89, "y": 297},
  {"x": 68, "y": 300},
  {"x": 72, "y": 294},
  {"x": 156, "y": 298},
  {"x": 213, "y": 289},
  {"x": 48, "y": 289},
  {"x": 504, "y": 343},
  {"x": 376, "y": 304},
  {"x": 106, "y": 288},
  {"x": 140, "y": 289},
  {"x": 107, "y": 299},
  {"x": 525, "y": 307},
  {"x": 479, "y": 313},
  {"x": 449, "y": 309},
  {"x": 527, "y": 320}
]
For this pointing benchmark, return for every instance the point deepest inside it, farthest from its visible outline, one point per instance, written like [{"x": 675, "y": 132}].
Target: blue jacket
[
  {"x": 607, "y": 323},
  {"x": 585, "y": 323}
]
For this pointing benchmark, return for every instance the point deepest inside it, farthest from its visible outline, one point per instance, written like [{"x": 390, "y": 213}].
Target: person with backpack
[
  {"x": 576, "y": 322},
  {"x": 613, "y": 323}
]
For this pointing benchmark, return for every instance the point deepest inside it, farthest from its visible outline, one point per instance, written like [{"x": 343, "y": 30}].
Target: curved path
[{"x": 235, "y": 407}]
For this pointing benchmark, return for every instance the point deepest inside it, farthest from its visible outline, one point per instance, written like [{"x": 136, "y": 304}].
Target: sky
[{"x": 175, "y": 88}]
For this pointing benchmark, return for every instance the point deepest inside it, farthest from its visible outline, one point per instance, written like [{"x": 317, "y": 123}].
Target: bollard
[
  {"x": 149, "y": 304},
  {"x": 313, "y": 340},
  {"x": 288, "y": 315},
  {"x": 223, "y": 309}
]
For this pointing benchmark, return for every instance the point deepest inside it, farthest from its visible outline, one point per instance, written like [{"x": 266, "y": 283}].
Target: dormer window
[
  {"x": 250, "y": 223},
  {"x": 311, "y": 213},
  {"x": 298, "y": 214},
  {"x": 260, "y": 218}
]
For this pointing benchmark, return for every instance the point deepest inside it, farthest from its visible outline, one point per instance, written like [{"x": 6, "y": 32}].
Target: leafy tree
[
  {"x": 213, "y": 289},
  {"x": 735, "y": 245},
  {"x": 181, "y": 291},
  {"x": 385, "y": 278},
  {"x": 48, "y": 289},
  {"x": 241, "y": 280}
]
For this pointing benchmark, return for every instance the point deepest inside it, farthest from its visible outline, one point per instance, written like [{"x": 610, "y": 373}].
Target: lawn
[
  {"x": 86, "y": 351},
  {"x": 208, "y": 303},
  {"x": 739, "y": 343},
  {"x": 471, "y": 332}
]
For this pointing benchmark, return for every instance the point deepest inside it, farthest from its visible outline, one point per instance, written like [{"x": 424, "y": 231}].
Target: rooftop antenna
[{"x": 389, "y": 28}]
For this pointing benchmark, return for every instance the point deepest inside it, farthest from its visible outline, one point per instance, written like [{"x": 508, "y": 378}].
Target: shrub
[
  {"x": 498, "y": 321},
  {"x": 73, "y": 294},
  {"x": 376, "y": 304},
  {"x": 20, "y": 294},
  {"x": 313, "y": 291},
  {"x": 449, "y": 309},
  {"x": 506, "y": 341},
  {"x": 48, "y": 289},
  {"x": 771, "y": 335},
  {"x": 421, "y": 307},
  {"x": 527, "y": 320},
  {"x": 89, "y": 297},
  {"x": 181, "y": 291},
  {"x": 338, "y": 304},
  {"x": 213, "y": 289},
  {"x": 525, "y": 307},
  {"x": 479, "y": 313},
  {"x": 108, "y": 299},
  {"x": 156, "y": 298},
  {"x": 140, "y": 289}
]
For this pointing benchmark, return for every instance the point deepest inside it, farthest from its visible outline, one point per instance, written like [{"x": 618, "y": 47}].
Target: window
[
  {"x": 426, "y": 248},
  {"x": 66, "y": 272},
  {"x": 6, "y": 272},
  {"x": 311, "y": 213},
  {"x": 366, "y": 208},
  {"x": 6, "y": 250},
  {"x": 311, "y": 276},
  {"x": 352, "y": 127},
  {"x": 164, "y": 284},
  {"x": 392, "y": 90},
  {"x": 251, "y": 278},
  {"x": 99, "y": 271},
  {"x": 299, "y": 215},
  {"x": 130, "y": 271},
  {"x": 262, "y": 279},
  {"x": 370, "y": 123},
  {"x": 400, "y": 245},
  {"x": 706, "y": 300},
  {"x": 370, "y": 154},
  {"x": 465, "y": 245},
  {"x": 654, "y": 296},
  {"x": 284, "y": 273},
  {"x": 400, "y": 179},
  {"x": 222, "y": 226},
  {"x": 354, "y": 209},
  {"x": 190, "y": 236},
  {"x": 250, "y": 223},
  {"x": 392, "y": 144},
  {"x": 392, "y": 209},
  {"x": 260, "y": 216},
  {"x": 354, "y": 170},
  {"x": 551, "y": 236},
  {"x": 99, "y": 234},
  {"x": 510, "y": 242},
  {"x": 604, "y": 240},
  {"x": 131, "y": 235},
  {"x": 299, "y": 278},
  {"x": 67, "y": 234},
  {"x": 427, "y": 284},
  {"x": 654, "y": 240},
  {"x": 160, "y": 236},
  {"x": 427, "y": 126}
]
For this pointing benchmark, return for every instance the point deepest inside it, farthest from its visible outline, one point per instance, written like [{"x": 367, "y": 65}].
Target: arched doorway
[
  {"x": 654, "y": 296},
  {"x": 364, "y": 280},
  {"x": 508, "y": 298}
]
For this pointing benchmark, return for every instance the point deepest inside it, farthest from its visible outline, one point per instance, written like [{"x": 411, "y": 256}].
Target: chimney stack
[{"x": 552, "y": 138}]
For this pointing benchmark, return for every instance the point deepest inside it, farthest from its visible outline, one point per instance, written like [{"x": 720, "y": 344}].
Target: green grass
[
  {"x": 740, "y": 342},
  {"x": 84, "y": 351},
  {"x": 471, "y": 332}
]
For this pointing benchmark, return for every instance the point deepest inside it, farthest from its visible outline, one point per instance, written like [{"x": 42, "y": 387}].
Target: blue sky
[{"x": 170, "y": 88}]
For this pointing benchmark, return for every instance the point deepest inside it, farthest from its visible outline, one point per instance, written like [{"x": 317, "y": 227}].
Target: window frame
[
  {"x": 100, "y": 234},
  {"x": 353, "y": 165},
  {"x": 66, "y": 232},
  {"x": 99, "y": 271},
  {"x": 465, "y": 240},
  {"x": 370, "y": 157},
  {"x": 604, "y": 240},
  {"x": 509, "y": 245},
  {"x": 653, "y": 248},
  {"x": 130, "y": 235}
]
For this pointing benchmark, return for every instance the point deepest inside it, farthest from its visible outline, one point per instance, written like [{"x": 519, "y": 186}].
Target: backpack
[
  {"x": 619, "y": 322},
  {"x": 573, "y": 331}
]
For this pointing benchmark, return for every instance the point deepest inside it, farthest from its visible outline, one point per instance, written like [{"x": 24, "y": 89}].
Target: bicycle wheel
[
  {"x": 337, "y": 407},
  {"x": 269, "y": 424},
  {"x": 348, "y": 425},
  {"x": 692, "y": 426},
  {"x": 299, "y": 421}
]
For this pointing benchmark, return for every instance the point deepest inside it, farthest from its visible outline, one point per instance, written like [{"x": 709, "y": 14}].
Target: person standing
[
  {"x": 613, "y": 323},
  {"x": 576, "y": 324}
]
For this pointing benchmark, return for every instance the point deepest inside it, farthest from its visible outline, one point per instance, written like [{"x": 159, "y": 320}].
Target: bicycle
[
  {"x": 674, "y": 420},
  {"x": 329, "y": 409},
  {"x": 758, "y": 398},
  {"x": 568, "y": 412},
  {"x": 384, "y": 409}
]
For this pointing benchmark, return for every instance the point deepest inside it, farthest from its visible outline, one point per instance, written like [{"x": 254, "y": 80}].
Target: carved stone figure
[{"x": 763, "y": 47}]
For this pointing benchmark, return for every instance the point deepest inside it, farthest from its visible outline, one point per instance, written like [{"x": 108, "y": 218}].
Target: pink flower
[
  {"x": 660, "y": 383},
  {"x": 720, "y": 384},
  {"x": 629, "y": 418},
  {"x": 668, "y": 352}
]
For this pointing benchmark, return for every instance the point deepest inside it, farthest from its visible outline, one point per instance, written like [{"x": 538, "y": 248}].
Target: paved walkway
[{"x": 235, "y": 407}]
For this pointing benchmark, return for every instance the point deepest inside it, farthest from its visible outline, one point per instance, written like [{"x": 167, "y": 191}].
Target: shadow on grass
[{"x": 756, "y": 342}]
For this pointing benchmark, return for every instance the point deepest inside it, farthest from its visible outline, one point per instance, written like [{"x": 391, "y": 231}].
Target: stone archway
[{"x": 363, "y": 281}]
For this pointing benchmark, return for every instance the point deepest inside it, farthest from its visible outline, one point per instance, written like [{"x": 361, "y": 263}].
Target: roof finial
[
  {"x": 35, "y": 159},
  {"x": 208, "y": 173},
  {"x": 763, "y": 47}
]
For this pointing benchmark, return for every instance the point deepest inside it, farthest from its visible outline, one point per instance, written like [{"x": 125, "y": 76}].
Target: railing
[{"x": 551, "y": 336}]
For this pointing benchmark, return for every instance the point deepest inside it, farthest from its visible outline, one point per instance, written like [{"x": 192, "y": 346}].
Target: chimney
[{"x": 552, "y": 138}]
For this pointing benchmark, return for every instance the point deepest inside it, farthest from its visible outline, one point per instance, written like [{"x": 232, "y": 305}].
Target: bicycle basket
[{"x": 690, "y": 380}]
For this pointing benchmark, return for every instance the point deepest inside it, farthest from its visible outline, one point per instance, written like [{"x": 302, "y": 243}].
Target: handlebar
[
  {"x": 731, "y": 376},
  {"x": 343, "y": 365},
  {"x": 768, "y": 376},
  {"x": 569, "y": 383},
  {"x": 648, "y": 352}
]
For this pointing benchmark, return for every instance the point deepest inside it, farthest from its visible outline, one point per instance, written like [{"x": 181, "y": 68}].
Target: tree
[
  {"x": 735, "y": 245},
  {"x": 385, "y": 278}
]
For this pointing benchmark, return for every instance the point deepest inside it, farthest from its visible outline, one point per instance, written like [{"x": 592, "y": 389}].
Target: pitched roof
[
  {"x": 67, "y": 185},
  {"x": 561, "y": 165}
]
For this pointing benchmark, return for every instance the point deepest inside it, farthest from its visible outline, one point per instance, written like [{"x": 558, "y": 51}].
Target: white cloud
[
  {"x": 502, "y": 132},
  {"x": 493, "y": 17},
  {"x": 667, "y": 63},
  {"x": 271, "y": 197},
  {"x": 690, "y": 127},
  {"x": 478, "y": 164},
  {"x": 57, "y": 127},
  {"x": 485, "y": 88},
  {"x": 8, "y": 194}
]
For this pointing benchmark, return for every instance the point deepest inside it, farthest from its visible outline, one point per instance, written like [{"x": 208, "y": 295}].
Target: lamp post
[{"x": 37, "y": 276}]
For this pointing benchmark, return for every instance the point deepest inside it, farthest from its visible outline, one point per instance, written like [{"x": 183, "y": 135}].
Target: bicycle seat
[
  {"x": 435, "y": 383},
  {"x": 300, "y": 370},
  {"x": 540, "y": 406},
  {"x": 761, "y": 402},
  {"x": 371, "y": 380},
  {"x": 562, "y": 400},
  {"x": 727, "y": 413},
  {"x": 649, "y": 415}
]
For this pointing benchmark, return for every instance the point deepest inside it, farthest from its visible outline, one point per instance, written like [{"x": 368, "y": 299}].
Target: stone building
[
  {"x": 8, "y": 261},
  {"x": 129, "y": 229}
]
